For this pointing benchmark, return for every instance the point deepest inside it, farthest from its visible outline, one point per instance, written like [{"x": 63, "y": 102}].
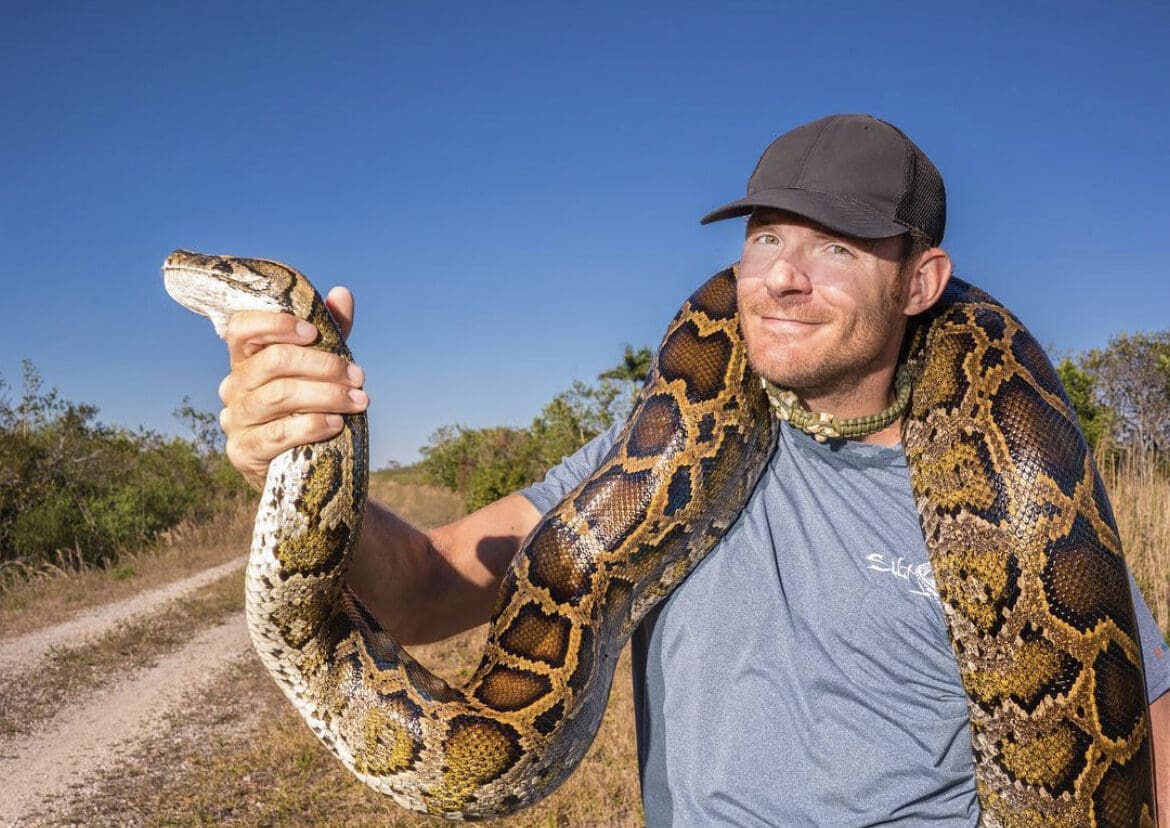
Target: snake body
[{"x": 1021, "y": 537}]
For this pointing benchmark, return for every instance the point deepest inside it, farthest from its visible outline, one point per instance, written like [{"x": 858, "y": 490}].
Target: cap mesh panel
[{"x": 924, "y": 204}]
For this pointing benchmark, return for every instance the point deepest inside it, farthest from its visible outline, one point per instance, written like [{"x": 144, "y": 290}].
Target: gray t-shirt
[{"x": 802, "y": 674}]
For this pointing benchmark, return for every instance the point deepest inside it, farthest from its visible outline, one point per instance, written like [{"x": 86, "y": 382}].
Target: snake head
[{"x": 218, "y": 286}]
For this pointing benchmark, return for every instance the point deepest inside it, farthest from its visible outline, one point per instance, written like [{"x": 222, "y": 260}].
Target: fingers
[
  {"x": 340, "y": 304},
  {"x": 250, "y": 331},
  {"x": 283, "y": 397},
  {"x": 251, "y": 450},
  {"x": 286, "y": 396},
  {"x": 281, "y": 394},
  {"x": 282, "y": 413},
  {"x": 282, "y": 360}
]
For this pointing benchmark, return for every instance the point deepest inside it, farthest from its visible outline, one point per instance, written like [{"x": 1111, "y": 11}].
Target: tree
[
  {"x": 487, "y": 463},
  {"x": 634, "y": 368},
  {"x": 1096, "y": 419},
  {"x": 571, "y": 419},
  {"x": 209, "y": 438},
  {"x": 481, "y": 464},
  {"x": 1131, "y": 376}
]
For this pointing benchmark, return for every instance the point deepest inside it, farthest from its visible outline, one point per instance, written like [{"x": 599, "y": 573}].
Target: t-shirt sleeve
[
  {"x": 1155, "y": 653},
  {"x": 560, "y": 479}
]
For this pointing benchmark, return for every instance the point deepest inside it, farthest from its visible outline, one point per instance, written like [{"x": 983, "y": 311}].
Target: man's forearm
[
  {"x": 426, "y": 586},
  {"x": 1160, "y": 728},
  {"x": 394, "y": 569}
]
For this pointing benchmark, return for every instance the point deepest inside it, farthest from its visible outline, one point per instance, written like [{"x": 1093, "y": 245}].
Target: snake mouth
[{"x": 204, "y": 284}]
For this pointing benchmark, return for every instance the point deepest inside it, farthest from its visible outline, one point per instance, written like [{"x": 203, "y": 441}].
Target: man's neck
[{"x": 863, "y": 398}]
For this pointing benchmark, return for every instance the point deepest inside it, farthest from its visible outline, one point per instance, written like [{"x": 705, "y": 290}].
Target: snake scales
[{"x": 1025, "y": 554}]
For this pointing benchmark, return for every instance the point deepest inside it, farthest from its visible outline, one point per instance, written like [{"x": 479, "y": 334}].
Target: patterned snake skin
[{"x": 1020, "y": 533}]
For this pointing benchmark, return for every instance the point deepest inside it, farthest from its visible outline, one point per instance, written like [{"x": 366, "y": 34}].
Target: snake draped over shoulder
[{"x": 1020, "y": 534}]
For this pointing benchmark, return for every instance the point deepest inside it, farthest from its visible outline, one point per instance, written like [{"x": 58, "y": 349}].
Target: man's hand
[{"x": 281, "y": 393}]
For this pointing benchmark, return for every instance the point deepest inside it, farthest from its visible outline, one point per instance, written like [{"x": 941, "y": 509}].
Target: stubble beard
[{"x": 835, "y": 370}]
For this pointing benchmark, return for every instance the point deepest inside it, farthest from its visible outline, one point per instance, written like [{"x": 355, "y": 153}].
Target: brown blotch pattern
[
  {"x": 657, "y": 428},
  {"x": 537, "y": 635},
  {"x": 698, "y": 361},
  {"x": 1120, "y": 711},
  {"x": 507, "y": 689},
  {"x": 615, "y": 503},
  {"x": 716, "y": 299},
  {"x": 1085, "y": 583},
  {"x": 561, "y": 568},
  {"x": 1040, "y": 439}
]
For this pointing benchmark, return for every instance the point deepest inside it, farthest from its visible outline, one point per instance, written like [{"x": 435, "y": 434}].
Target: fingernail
[
  {"x": 333, "y": 420},
  {"x": 359, "y": 396},
  {"x": 355, "y": 374},
  {"x": 306, "y": 330}
]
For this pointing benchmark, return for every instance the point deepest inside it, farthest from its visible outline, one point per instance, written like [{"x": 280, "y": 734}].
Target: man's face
[{"x": 819, "y": 310}]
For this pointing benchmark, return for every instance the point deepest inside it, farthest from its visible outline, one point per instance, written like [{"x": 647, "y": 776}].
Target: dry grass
[
  {"x": 423, "y": 505},
  {"x": 1140, "y": 493},
  {"x": 256, "y": 763}
]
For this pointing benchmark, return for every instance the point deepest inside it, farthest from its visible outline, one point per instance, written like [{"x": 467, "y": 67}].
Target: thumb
[{"x": 340, "y": 304}]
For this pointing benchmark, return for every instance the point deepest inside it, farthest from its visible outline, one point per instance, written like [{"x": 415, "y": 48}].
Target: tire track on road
[{"x": 27, "y": 649}]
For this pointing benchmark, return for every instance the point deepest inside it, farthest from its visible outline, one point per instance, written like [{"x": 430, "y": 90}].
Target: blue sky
[{"x": 512, "y": 190}]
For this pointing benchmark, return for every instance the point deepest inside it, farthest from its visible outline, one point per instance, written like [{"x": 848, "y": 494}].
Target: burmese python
[{"x": 1021, "y": 536}]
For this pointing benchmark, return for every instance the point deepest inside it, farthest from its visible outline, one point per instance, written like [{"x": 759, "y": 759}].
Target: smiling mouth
[{"x": 783, "y": 324}]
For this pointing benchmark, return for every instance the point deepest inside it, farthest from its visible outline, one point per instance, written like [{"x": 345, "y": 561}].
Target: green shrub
[
  {"x": 485, "y": 464},
  {"x": 69, "y": 482}
]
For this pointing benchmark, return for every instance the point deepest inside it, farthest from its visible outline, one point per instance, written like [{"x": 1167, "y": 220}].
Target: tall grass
[
  {"x": 1138, "y": 483},
  {"x": 424, "y": 505}
]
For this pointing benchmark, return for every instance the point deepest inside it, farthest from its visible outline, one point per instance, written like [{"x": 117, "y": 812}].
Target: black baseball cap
[{"x": 852, "y": 173}]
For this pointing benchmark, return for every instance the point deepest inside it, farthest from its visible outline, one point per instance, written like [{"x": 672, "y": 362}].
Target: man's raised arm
[{"x": 422, "y": 586}]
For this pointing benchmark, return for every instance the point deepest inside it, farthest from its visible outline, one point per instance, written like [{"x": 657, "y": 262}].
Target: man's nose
[{"x": 785, "y": 275}]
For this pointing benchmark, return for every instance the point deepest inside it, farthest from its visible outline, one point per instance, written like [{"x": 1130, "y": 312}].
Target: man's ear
[{"x": 927, "y": 280}]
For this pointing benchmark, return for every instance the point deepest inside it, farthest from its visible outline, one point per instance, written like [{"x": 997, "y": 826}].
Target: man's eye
[
  {"x": 767, "y": 238},
  {"x": 840, "y": 250}
]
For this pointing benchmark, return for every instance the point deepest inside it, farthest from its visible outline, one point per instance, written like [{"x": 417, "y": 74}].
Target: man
[{"x": 802, "y": 675}]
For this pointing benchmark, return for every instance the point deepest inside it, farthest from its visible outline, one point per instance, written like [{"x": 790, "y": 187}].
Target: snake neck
[{"x": 824, "y": 426}]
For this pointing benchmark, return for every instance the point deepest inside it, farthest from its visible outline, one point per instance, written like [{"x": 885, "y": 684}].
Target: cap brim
[{"x": 846, "y": 217}]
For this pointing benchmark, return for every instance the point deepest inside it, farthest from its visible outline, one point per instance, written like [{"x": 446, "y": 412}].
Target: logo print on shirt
[{"x": 919, "y": 576}]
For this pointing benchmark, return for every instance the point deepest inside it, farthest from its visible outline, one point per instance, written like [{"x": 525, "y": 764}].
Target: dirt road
[
  {"x": 30, "y": 648},
  {"x": 96, "y": 729}
]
